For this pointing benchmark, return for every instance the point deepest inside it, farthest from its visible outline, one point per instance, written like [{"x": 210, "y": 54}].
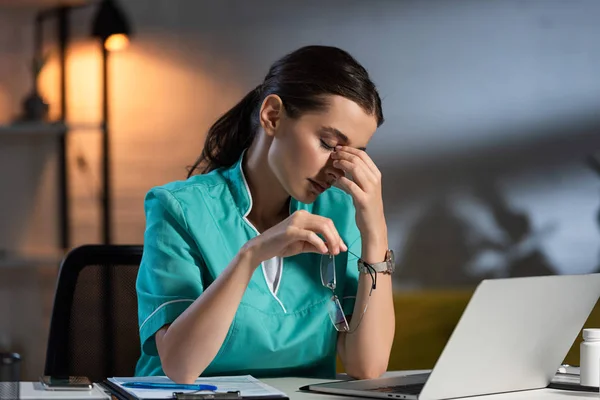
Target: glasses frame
[{"x": 339, "y": 320}]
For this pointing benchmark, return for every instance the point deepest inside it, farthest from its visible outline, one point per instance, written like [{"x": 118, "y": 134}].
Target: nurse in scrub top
[{"x": 272, "y": 257}]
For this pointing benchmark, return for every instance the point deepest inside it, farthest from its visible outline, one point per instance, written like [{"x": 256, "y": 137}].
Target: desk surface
[
  {"x": 35, "y": 391},
  {"x": 290, "y": 386}
]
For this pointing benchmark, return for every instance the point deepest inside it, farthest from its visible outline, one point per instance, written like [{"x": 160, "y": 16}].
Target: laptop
[{"x": 513, "y": 335}]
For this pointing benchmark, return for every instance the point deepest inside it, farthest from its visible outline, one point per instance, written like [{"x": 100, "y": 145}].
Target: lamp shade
[{"x": 111, "y": 25}]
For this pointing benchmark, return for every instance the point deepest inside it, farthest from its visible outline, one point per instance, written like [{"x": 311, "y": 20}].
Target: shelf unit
[
  {"x": 56, "y": 131},
  {"x": 59, "y": 11},
  {"x": 30, "y": 129}
]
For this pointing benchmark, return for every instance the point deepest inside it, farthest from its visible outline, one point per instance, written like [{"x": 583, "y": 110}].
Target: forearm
[
  {"x": 366, "y": 351},
  {"x": 193, "y": 340}
]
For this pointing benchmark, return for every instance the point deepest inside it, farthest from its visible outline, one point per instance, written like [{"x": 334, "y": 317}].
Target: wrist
[
  {"x": 248, "y": 255},
  {"x": 375, "y": 239},
  {"x": 374, "y": 247}
]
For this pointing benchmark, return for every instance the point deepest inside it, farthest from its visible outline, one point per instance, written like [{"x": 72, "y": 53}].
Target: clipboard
[
  {"x": 116, "y": 391},
  {"x": 121, "y": 394}
]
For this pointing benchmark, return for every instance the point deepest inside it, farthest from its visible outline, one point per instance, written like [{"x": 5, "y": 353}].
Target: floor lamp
[{"x": 113, "y": 30}]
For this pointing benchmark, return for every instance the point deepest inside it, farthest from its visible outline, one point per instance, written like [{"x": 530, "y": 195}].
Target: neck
[{"x": 270, "y": 202}]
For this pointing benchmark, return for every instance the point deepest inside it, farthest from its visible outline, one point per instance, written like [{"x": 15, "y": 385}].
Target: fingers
[
  {"x": 358, "y": 164},
  {"x": 362, "y": 155},
  {"x": 314, "y": 243},
  {"x": 332, "y": 237},
  {"x": 358, "y": 172},
  {"x": 350, "y": 187},
  {"x": 325, "y": 227}
]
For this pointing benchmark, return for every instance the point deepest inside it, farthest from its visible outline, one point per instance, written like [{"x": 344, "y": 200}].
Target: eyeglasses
[{"x": 334, "y": 307}]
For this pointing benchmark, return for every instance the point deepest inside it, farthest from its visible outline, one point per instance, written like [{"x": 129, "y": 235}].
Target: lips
[{"x": 319, "y": 187}]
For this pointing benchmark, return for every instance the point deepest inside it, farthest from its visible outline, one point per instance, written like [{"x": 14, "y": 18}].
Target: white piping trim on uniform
[
  {"x": 161, "y": 306},
  {"x": 245, "y": 218},
  {"x": 280, "y": 275}
]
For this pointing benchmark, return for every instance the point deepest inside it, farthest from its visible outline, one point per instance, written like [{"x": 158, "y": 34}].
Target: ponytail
[{"x": 233, "y": 132}]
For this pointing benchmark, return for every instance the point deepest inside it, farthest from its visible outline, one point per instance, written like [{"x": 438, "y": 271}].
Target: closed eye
[{"x": 326, "y": 146}]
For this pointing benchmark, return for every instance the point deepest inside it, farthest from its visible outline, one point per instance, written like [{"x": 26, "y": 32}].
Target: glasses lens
[
  {"x": 328, "y": 271},
  {"x": 336, "y": 313}
]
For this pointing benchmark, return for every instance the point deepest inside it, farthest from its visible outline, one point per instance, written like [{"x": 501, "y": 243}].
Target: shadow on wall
[
  {"x": 449, "y": 245},
  {"x": 471, "y": 228},
  {"x": 594, "y": 162}
]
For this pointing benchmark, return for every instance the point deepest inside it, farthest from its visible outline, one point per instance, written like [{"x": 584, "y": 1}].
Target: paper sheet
[{"x": 247, "y": 385}]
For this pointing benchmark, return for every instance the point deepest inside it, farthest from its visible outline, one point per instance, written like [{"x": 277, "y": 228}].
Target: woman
[{"x": 250, "y": 266}]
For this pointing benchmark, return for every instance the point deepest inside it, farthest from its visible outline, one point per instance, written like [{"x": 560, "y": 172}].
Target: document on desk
[{"x": 248, "y": 386}]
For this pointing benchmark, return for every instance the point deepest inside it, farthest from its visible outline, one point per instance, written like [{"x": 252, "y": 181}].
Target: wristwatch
[{"x": 385, "y": 267}]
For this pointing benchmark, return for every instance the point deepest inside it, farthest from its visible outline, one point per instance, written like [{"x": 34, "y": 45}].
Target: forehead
[{"x": 347, "y": 117}]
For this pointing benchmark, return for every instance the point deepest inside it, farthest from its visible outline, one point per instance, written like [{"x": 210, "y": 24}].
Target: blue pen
[{"x": 153, "y": 385}]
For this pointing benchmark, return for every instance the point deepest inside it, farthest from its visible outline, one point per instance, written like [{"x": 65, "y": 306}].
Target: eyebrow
[{"x": 339, "y": 135}]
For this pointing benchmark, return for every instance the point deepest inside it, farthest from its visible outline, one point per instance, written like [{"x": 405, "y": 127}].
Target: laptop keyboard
[{"x": 414, "y": 388}]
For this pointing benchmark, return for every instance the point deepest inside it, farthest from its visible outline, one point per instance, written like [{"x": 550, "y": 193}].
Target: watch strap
[{"x": 385, "y": 267}]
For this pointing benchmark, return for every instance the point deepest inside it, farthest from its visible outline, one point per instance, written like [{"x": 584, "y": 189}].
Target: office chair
[{"x": 94, "y": 326}]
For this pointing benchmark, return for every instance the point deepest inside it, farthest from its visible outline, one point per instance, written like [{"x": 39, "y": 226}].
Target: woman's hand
[
  {"x": 299, "y": 233},
  {"x": 365, "y": 189}
]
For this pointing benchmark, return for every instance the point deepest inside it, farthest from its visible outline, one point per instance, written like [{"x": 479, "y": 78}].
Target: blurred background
[{"x": 489, "y": 151}]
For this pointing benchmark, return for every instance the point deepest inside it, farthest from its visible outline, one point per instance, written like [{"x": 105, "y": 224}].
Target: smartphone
[{"x": 66, "y": 382}]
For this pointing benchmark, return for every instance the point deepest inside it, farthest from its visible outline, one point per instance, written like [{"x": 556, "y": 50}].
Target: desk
[{"x": 290, "y": 387}]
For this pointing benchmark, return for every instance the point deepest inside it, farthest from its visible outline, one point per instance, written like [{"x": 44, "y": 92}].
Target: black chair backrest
[{"x": 94, "y": 326}]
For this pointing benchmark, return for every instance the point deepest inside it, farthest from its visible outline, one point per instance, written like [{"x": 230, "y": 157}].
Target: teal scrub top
[{"x": 194, "y": 228}]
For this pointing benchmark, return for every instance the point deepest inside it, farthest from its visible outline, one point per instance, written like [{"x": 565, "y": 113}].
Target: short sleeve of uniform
[
  {"x": 169, "y": 279},
  {"x": 351, "y": 285}
]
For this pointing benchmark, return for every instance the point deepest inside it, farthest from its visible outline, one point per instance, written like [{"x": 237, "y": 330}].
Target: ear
[{"x": 271, "y": 113}]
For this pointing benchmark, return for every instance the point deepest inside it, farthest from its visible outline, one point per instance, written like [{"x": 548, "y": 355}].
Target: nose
[{"x": 332, "y": 174}]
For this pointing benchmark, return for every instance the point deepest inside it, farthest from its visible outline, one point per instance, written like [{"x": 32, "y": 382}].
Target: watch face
[{"x": 391, "y": 260}]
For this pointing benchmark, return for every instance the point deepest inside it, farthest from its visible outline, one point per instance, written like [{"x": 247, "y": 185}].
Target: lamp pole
[
  {"x": 111, "y": 26},
  {"x": 63, "y": 171},
  {"x": 106, "y": 176}
]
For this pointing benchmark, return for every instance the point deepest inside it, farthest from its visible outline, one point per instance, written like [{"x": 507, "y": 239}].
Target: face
[{"x": 300, "y": 150}]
